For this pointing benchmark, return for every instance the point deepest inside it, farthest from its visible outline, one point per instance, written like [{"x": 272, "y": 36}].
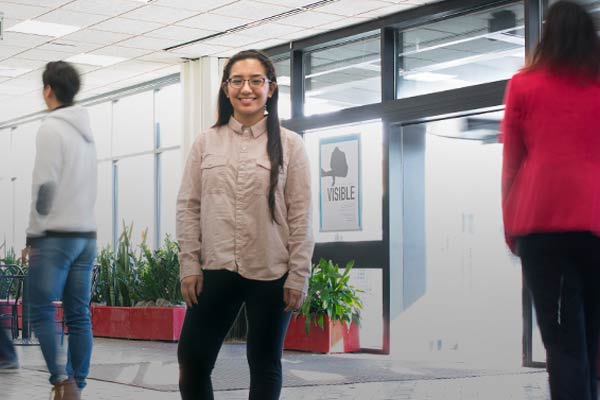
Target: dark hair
[
  {"x": 64, "y": 80},
  {"x": 225, "y": 111},
  {"x": 569, "y": 41}
]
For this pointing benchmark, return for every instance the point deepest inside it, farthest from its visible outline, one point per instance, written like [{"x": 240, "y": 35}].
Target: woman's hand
[
  {"x": 293, "y": 299},
  {"x": 191, "y": 286}
]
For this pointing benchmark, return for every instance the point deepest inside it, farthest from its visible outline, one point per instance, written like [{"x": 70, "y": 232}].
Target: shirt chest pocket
[
  {"x": 263, "y": 176},
  {"x": 214, "y": 173}
]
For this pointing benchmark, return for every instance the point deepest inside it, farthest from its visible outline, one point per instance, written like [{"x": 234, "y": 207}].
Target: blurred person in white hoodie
[{"x": 62, "y": 229}]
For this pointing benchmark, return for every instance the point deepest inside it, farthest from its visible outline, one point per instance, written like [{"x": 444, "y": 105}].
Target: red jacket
[{"x": 551, "y": 161}]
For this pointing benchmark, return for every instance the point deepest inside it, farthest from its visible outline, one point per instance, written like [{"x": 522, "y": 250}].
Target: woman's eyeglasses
[{"x": 237, "y": 83}]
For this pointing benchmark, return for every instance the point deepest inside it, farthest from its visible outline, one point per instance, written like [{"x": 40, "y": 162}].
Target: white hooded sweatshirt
[{"x": 64, "y": 175}]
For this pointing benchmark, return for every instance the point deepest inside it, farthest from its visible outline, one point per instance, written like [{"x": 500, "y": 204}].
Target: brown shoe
[{"x": 65, "y": 390}]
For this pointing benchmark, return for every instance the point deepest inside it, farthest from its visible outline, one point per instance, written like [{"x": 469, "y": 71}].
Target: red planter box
[
  {"x": 145, "y": 323},
  {"x": 335, "y": 338}
]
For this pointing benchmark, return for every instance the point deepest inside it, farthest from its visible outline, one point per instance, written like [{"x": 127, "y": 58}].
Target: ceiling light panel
[
  {"x": 34, "y": 27},
  {"x": 102, "y": 7},
  {"x": 128, "y": 26}
]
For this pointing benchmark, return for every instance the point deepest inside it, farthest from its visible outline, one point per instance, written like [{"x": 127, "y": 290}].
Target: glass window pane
[
  {"x": 169, "y": 115},
  {"x": 343, "y": 76},
  {"x": 283, "y": 72},
  {"x": 104, "y": 203},
  {"x": 481, "y": 47},
  {"x": 101, "y": 121},
  {"x": 469, "y": 309},
  {"x": 136, "y": 196},
  {"x": 133, "y": 129},
  {"x": 22, "y": 160},
  {"x": 171, "y": 168},
  {"x": 346, "y": 207}
]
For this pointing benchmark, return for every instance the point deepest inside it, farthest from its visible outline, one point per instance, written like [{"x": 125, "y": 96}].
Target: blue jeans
[{"x": 60, "y": 268}]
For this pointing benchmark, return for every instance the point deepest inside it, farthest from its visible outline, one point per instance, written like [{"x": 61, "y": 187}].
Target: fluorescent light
[
  {"x": 13, "y": 72},
  {"x": 428, "y": 77},
  {"x": 43, "y": 28},
  {"x": 283, "y": 80},
  {"x": 95, "y": 59}
]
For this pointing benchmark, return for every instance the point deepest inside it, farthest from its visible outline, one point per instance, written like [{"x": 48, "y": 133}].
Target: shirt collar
[{"x": 257, "y": 129}]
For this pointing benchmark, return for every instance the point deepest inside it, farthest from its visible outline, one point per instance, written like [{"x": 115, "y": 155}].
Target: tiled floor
[{"x": 30, "y": 383}]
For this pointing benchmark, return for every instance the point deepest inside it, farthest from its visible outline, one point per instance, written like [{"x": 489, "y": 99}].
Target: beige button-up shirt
[{"x": 223, "y": 217}]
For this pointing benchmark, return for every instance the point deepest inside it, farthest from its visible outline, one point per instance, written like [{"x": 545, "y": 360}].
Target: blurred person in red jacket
[{"x": 551, "y": 193}]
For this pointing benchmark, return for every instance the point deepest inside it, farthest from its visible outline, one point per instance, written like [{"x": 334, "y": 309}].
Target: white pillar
[{"x": 200, "y": 82}]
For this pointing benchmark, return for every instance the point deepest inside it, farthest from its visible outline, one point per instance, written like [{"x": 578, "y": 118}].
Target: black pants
[
  {"x": 207, "y": 323},
  {"x": 7, "y": 350},
  {"x": 562, "y": 271}
]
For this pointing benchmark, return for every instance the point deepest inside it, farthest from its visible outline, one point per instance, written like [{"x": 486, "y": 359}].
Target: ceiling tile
[
  {"x": 288, "y": 3},
  {"x": 303, "y": 34},
  {"x": 232, "y": 40},
  {"x": 10, "y": 22},
  {"x": 341, "y": 23},
  {"x": 179, "y": 33},
  {"x": 21, "y": 11},
  {"x": 265, "y": 44},
  {"x": 213, "y": 22},
  {"x": 271, "y": 30},
  {"x": 352, "y": 7},
  {"x": 110, "y": 8},
  {"x": 164, "y": 15},
  {"x": 98, "y": 37},
  {"x": 41, "y": 3},
  {"x": 44, "y": 55},
  {"x": 119, "y": 51},
  {"x": 16, "y": 62},
  {"x": 69, "y": 46},
  {"x": 380, "y": 12},
  {"x": 19, "y": 86},
  {"x": 148, "y": 43},
  {"x": 250, "y": 10},
  {"x": 162, "y": 57},
  {"x": 17, "y": 39},
  {"x": 194, "y": 5},
  {"x": 75, "y": 18},
  {"x": 129, "y": 26},
  {"x": 8, "y": 51},
  {"x": 198, "y": 50},
  {"x": 309, "y": 19}
]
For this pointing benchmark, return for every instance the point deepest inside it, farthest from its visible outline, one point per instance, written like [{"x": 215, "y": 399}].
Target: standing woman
[
  {"x": 244, "y": 228},
  {"x": 551, "y": 193}
]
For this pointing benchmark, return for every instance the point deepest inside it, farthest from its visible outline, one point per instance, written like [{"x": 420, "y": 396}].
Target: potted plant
[
  {"x": 137, "y": 296},
  {"x": 330, "y": 317}
]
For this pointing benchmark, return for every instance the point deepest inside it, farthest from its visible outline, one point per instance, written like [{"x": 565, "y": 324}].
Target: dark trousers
[
  {"x": 7, "y": 350},
  {"x": 207, "y": 323},
  {"x": 562, "y": 271}
]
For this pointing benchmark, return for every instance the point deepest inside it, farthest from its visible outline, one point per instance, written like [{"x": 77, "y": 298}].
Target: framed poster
[{"x": 340, "y": 184}]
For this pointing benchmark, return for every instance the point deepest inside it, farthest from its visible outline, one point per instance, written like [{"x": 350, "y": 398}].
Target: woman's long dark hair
[
  {"x": 569, "y": 41},
  {"x": 225, "y": 111}
]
